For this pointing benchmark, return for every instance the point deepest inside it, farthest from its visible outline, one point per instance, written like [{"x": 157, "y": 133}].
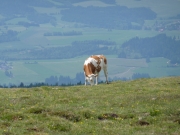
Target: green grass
[{"x": 144, "y": 106}]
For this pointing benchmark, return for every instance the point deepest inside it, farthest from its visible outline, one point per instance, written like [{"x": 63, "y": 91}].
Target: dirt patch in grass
[
  {"x": 37, "y": 110},
  {"x": 142, "y": 123},
  {"x": 67, "y": 115},
  {"x": 34, "y": 129},
  {"x": 108, "y": 116},
  {"x": 115, "y": 116}
]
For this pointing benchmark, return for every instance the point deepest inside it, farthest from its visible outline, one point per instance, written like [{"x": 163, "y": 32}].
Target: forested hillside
[{"x": 158, "y": 46}]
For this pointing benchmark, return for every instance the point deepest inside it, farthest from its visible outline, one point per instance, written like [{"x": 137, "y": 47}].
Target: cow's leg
[
  {"x": 85, "y": 82},
  {"x": 92, "y": 82},
  {"x": 97, "y": 78},
  {"x": 106, "y": 74}
]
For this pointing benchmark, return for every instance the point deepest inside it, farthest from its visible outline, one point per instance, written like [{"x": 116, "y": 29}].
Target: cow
[{"x": 92, "y": 67}]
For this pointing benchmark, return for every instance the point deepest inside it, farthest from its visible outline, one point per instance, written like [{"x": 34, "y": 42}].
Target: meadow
[
  {"x": 138, "y": 107},
  {"x": 158, "y": 67}
]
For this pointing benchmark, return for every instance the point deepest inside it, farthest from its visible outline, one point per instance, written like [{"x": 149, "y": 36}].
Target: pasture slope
[{"x": 138, "y": 107}]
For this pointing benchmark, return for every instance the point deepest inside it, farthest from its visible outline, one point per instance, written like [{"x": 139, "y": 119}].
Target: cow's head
[{"x": 91, "y": 78}]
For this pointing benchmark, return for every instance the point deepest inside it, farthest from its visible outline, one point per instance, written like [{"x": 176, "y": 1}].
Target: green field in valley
[
  {"x": 36, "y": 71},
  {"x": 159, "y": 67}
]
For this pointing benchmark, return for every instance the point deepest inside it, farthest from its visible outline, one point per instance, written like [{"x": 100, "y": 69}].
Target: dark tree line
[
  {"x": 51, "y": 81},
  {"x": 119, "y": 17},
  {"x": 79, "y": 79},
  {"x": 158, "y": 46},
  {"x": 22, "y": 85},
  {"x": 67, "y": 81},
  {"x": 9, "y": 36},
  {"x": 68, "y": 51},
  {"x": 94, "y": 42}
]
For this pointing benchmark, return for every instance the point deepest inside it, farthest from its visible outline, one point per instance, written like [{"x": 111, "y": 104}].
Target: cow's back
[
  {"x": 102, "y": 60},
  {"x": 89, "y": 66},
  {"x": 94, "y": 64}
]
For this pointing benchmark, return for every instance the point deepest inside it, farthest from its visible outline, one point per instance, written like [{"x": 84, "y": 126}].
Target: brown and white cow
[{"x": 92, "y": 67}]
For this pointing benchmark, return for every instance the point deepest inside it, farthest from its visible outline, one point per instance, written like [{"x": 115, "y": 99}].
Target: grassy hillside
[{"x": 144, "y": 106}]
